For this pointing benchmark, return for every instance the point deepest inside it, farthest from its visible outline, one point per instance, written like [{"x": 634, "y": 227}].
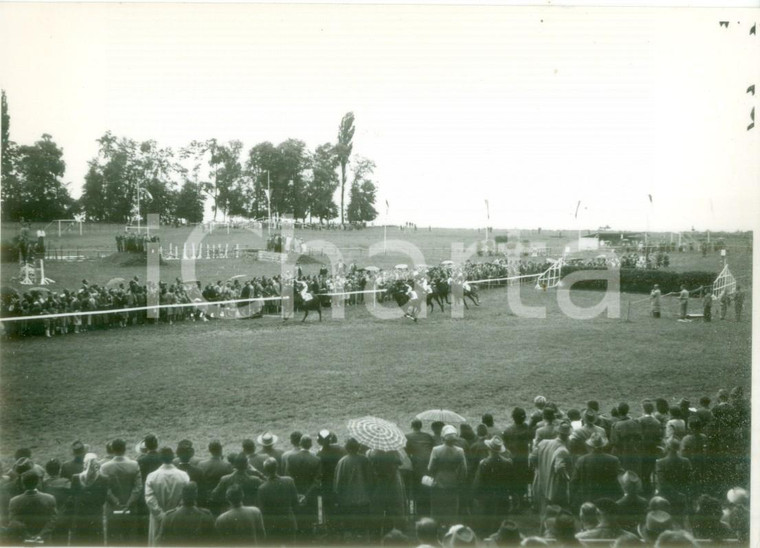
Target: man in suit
[
  {"x": 278, "y": 500},
  {"x": 60, "y": 488},
  {"x": 240, "y": 525},
  {"x": 329, "y": 455},
  {"x": 651, "y": 437},
  {"x": 419, "y": 445},
  {"x": 187, "y": 462},
  {"x": 248, "y": 484},
  {"x": 596, "y": 474},
  {"x": 148, "y": 461},
  {"x": 674, "y": 475},
  {"x": 34, "y": 511},
  {"x": 187, "y": 524},
  {"x": 304, "y": 467},
  {"x": 626, "y": 439},
  {"x": 76, "y": 464},
  {"x": 632, "y": 508},
  {"x": 124, "y": 490},
  {"x": 493, "y": 485},
  {"x": 214, "y": 469},
  {"x": 517, "y": 438},
  {"x": 295, "y": 440},
  {"x": 553, "y": 465},
  {"x": 163, "y": 491}
]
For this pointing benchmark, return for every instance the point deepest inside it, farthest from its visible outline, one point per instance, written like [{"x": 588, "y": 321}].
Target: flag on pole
[
  {"x": 488, "y": 211},
  {"x": 577, "y": 208}
]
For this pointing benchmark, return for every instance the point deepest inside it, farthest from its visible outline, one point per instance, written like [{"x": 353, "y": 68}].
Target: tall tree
[
  {"x": 324, "y": 183},
  {"x": 361, "y": 208},
  {"x": 293, "y": 162},
  {"x": 226, "y": 174},
  {"x": 38, "y": 193},
  {"x": 189, "y": 203},
  {"x": 344, "y": 148},
  {"x": 261, "y": 165},
  {"x": 10, "y": 192}
]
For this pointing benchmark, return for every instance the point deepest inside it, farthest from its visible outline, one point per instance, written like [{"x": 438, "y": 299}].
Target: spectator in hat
[
  {"x": 561, "y": 528},
  {"x": 588, "y": 516},
  {"x": 187, "y": 524},
  {"x": 674, "y": 474},
  {"x": 239, "y": 476},
  {"x": 304, "y": 468},
  {"x": 329, "y": 455},
  {"x": 596, "y": 473},
  {"x": 656, "y": 522},
  {"x": 163, "y": 491},
  {"x": 214, "y": 469},
  {"x": 388, "y": 499},
  {"x": 34, "y": 511},
  {"x": 608, "y": 527},
  {"x": 659, "y": 503},
  {"x": 553, "y": 465},
  {"x": 76, "y": 464},
  {"x": 266, "y": 441},
  {"x": 448, "y": 468},
  {"x": 124, "y": 492},
  {"x": 632, "y": 507},
  {"x": 26, "y": 453},
  {"x": 278, "y": 500},
  {"x": 459, "y": 535},
  {"x": 517, "y": 438},
  {"x": 419, "y": 445},
  {"x": 579, "y": 436},
  {"x": 240, "y": 525},
  {"x": 426, "y": 531},
  {"x": 493, "y": 486}
]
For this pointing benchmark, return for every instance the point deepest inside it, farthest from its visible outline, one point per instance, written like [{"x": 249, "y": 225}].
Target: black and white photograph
[{"x": 429, "y": 275}]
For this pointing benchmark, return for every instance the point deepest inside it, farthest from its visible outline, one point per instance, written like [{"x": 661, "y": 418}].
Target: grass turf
[{"x": 229, "y": 380}]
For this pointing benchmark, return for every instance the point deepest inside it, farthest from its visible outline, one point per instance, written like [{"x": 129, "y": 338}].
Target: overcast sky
[{"x": 532, "y": 109}]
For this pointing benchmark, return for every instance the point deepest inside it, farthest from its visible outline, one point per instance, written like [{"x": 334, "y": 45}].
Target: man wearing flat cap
[
  {"x": 596, "y": 473},
  {"x": 493, "y": 486},
  {"x": 448, "y": 468},
  {"x": 553, "y": 465}
]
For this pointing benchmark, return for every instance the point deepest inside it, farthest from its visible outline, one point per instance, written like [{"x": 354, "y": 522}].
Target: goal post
[{"x": 69, "y": 224}]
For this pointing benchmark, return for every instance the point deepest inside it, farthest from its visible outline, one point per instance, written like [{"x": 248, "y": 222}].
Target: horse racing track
[{"x": 232, "y": 379}]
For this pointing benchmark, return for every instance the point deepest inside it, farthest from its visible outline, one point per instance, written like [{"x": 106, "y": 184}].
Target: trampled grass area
[{"x": 235, "y": 379}]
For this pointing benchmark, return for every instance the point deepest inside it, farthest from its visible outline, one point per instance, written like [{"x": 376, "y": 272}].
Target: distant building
[{"x": 610, "y": 238}]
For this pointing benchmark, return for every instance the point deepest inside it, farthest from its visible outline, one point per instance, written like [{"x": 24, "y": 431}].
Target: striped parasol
[
  {"x": 443, "y": 415},
  {"x": 377, "y": 433}
]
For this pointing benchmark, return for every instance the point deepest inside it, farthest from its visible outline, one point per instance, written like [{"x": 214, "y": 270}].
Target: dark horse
[
  {"x": 439, "y": 295},
  {"x": 307, "y": 306},
  {"x": 470, "y": 293},
  {"x": 397, "y": 291}
]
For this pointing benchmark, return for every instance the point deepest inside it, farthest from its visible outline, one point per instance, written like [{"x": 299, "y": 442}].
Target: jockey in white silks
[
  {"x": 303, "y": 289},
  {"x": 413, "y": 302},
  {"x": 426, "y": 286}
]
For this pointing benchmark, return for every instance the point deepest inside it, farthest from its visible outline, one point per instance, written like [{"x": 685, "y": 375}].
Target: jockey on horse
[{"x": 413, "y": 305}]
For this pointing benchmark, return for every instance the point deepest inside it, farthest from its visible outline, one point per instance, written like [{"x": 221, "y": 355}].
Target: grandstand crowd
[
  {"x": 674, "y": 475},
  {"x": 121, "y": 294}
]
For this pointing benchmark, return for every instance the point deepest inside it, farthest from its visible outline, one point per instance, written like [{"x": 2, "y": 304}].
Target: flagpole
[{"x": 385, "y": 228}]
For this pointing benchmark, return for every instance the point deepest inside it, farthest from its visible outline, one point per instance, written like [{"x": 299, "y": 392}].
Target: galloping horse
[
  {"x": 301, "y": 301},
  {"x": 407, "y": 300},
  {"x": 468, "y": 291}
]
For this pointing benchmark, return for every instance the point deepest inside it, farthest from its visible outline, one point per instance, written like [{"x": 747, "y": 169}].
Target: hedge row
[{"x": 636, "y": 280}]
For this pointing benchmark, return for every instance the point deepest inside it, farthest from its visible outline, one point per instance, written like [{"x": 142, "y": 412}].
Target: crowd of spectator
[
  {"x": 134, "y": 243},
  {"x": 121, "y": 295},
  {"x": 567, "y": 478}
]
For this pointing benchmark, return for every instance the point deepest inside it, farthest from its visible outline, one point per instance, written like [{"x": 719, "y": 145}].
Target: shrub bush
[{"x": 636, "y": 280}]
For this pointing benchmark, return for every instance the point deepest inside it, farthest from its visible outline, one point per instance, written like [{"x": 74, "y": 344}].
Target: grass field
[{"x": 235, "y": 379}]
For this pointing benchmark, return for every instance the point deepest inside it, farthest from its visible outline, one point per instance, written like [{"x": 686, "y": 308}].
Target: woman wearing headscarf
[
  {"x": 448, "y": 470},
  {"x": 89, "y": 489}
]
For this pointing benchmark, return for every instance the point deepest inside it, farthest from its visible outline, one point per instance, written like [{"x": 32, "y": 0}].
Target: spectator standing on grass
[
  {"x": 632, "y": 507},
  {"x": 124, "y": 491},
  {"x": 329, "y": 456},
  {"x": 651, "y": 437},
  {"x": 707, "y": 302},
  {"x": 553, "y": 465},
  {"x": 76, "y": 464},
  {"x": 187, "y": 462},
  {"x": 596, "y": 473},
  {"x": 419, "y": 445},
  {"x": 448, "y": 468},
  {"x": 89, "y": 489},
  {"x": 683, "y": 302},
  {"x": 626, "y": 439},
  {"x": 353, "y": 485},
  {"x": 267, "y": 441},
  {"x": 388, "y": 498},
  {"x": 187, "y": 524},
  {"x": 295, "y": 439},
  {"x": 493, "y": 486},
  {"x": 163, "y": 491},
  {"x": 214, "y": 469},
  {"x": 33, "y": 511},
  {"x": 517, "y": 437},
  {"x": 60, "y": 488},
  {"x": 304, "y": 468},
  {"x": 278, "y": 500},
  {"x": 240, "y": 525},
  {"x": 738, "y": 302},
  {"x": 239, "y": 476},
  {"x": 674, "y": 474},
  {"x": 655, "y": 297}
]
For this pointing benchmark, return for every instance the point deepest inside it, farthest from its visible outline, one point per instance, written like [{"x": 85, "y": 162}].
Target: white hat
[{"x": 448, "y": 430}]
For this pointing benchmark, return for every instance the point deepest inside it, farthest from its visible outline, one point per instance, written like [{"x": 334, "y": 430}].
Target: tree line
[{"x": 175, "y": 183}]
